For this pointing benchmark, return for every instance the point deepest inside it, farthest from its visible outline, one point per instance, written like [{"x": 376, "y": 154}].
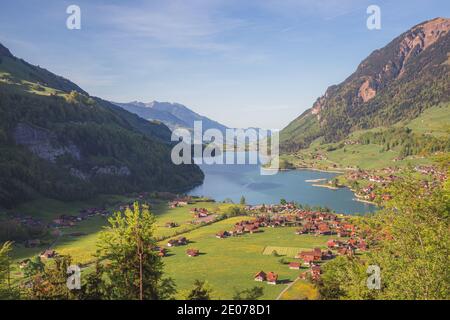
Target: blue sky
[{"x": 241, "y": 62}]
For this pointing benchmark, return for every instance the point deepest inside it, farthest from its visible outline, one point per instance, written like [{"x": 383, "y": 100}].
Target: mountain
[
  {"x": 173, "y": 115},
  {"x": 58, "y": 141},
  {"x": 393, "y": 84}
]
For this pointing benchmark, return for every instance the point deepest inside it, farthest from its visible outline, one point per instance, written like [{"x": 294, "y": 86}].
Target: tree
[
  {"x": 133, "y": 269},
  {"x": 6, "y": 290},
  {"x": 283, "y": 201},
  {"x": 34, "y": 266},
  {"x": 51, "y": 283},
  {"x": 94, "y": 286},
  {"x": 200, "y": 291},
  {"x": 409, "y": 241},
  {"x": 249, "y": 294},
  {"x": 242, "y": 201}
]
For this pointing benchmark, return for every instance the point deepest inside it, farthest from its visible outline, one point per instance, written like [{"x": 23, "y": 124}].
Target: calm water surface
[{"x": 233, "y": 181}]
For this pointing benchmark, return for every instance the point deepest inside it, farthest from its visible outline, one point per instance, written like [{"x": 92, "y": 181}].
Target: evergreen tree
[
  {"x": 133, "y": 270},
  {"x": 201, "y": 291}
]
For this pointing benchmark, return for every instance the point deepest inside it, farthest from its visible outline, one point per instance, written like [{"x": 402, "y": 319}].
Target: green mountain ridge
[
  {"x": 393, "y": 84},
  {"x": 58, "y": 141}
]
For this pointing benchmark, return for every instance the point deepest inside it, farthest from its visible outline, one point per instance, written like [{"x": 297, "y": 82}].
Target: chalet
[
  {"x": 250, "y": 228},
  {"x": 315, "y": 273},
  {"x": 309, "y": 257},
  {"x": 260, "y": 276},
  {"x": 272, "y": 278},
  {"x": 171, "y": 225},
  {"x": 200, "y": 212},
  {"x": 323, "y": 229},
  {"x": 48, "y": 254},
  {"x": 192, "y": 252},
  {"x": 162, "y": 252},
  {"x": 172, "y": 243},
  {"x": 222, "y": 234},
  {"x": 346, "y": 251},
  {"x": 332, "y": 244},
  {"x": 294, "y": 265},
  {"x": 238, "y": 230}
]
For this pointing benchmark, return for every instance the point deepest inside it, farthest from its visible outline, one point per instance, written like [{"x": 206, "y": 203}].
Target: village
[{"x": 348, "y": 240}]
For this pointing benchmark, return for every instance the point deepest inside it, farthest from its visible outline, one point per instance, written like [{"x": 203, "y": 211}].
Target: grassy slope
[{"x": 434, "y": 121}]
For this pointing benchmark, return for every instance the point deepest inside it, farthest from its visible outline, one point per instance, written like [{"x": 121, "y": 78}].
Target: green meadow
[
  {"x": 227, "y": 264},
  {"x": 230, "y": 264}
]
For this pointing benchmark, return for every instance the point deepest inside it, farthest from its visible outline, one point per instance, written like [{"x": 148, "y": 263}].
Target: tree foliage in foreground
[
  {"x": 411, "y": 246},
  {"x": 132, "y": 270}
]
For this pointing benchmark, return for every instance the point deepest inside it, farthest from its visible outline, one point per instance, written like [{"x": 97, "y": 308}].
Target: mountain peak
[
  {"x": 5, "y": 51},
  {"x": 394, "y": 83}
]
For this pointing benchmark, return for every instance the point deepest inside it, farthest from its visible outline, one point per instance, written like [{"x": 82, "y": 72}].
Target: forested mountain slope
[{"x": 57, "y": 141}]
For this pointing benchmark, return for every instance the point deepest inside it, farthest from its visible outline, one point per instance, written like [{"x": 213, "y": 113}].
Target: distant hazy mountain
[{"x": 173, "y": 115}]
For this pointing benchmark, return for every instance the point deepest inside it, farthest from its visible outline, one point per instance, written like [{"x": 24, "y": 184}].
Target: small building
[
  {"x": 260, "y": 276},
  {"x": 171, "y": 225},
  {"x": 272, "y": 278},
  {"x": 294, "y": 265},
  {"x": 172, "y": 243},
  {"x": 182, "y": 241},
  {"x": 192, "y": 252},
  {"x": 222, "y": 234}
]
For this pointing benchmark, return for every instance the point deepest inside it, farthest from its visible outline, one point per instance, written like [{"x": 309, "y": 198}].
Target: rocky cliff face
[
  {"x": 43, "y": 143},
  {"x": 386, "y": 65},
  {"x": 394, "y": 82}
]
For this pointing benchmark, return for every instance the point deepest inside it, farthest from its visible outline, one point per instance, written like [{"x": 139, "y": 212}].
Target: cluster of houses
[
  {"x": 309, "y": 222},
  {"x": 180, "y": 202},
  {"x": 199, "y": 212},
  {"x": 431, "y": 170}
]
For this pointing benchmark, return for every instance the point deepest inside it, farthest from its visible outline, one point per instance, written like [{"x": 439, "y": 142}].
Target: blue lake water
[{"x": 233, "y": 181}]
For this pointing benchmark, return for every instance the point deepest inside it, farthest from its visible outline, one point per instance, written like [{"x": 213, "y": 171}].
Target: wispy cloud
[{"x": 175, "y": 24}]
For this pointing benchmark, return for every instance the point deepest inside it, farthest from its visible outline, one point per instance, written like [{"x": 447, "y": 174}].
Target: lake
[{"x": 224, "y": 181}]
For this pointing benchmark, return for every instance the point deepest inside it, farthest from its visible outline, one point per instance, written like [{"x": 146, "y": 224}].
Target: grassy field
[
  {"x": 289, "y": 252},
  {"x": 83, "y": 247},
  {"x": 434, "y": 121},
  {"x": 301, "y": 290},
  {"x": 230, "y": 264}
]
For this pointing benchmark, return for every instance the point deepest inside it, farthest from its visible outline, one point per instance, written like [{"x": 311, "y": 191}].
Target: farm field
[
  {"x": 227, "y": 264},
  {"x": 230, "y": 264},
  {"x": 82, "y": 247},
  {"x": 300, "y": 290}
]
